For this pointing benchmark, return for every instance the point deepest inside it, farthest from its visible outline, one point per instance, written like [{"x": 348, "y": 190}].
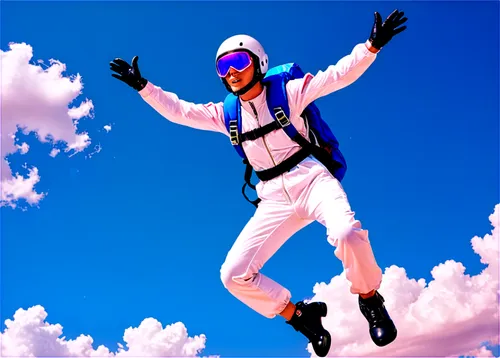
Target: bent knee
[
  {"x": 348, "y": 233},
  {"x": 232, "y": 275}
]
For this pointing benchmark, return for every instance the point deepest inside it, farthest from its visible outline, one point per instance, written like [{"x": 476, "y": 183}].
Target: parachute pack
[{"x": 322, "y": 145}]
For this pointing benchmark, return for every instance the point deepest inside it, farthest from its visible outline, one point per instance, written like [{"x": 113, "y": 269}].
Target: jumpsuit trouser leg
[{"x": 316, "y": 195}]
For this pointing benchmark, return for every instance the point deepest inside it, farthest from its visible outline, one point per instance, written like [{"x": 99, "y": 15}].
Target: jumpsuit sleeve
[
  {"x": 348, "y": 69},
  {"x": 209, "y": 116}
]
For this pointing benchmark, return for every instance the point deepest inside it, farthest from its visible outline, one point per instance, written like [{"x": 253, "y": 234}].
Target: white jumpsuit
[{"x": 291, "y": 201}]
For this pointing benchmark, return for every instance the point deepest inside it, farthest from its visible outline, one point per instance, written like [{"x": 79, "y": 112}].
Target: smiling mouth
[{"x": 235, "y": 81}]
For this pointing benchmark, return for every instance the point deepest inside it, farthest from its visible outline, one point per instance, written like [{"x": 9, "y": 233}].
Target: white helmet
[
  {"x": 248, "y": 43},
  {"x": 251, "y": 45}
]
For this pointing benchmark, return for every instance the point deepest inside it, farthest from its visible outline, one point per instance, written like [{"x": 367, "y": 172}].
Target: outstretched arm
[
  {"x": 200, "y": 116},
  {"x": 208, "y": 116},
  {"x": 348, "y": 69}
]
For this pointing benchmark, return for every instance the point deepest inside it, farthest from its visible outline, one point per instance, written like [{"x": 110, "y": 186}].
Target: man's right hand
[{"x": 127, "y": 73}]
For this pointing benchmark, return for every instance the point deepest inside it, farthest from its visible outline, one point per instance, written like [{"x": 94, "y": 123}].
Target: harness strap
[
  {"x": 319, "y": 153},
  {"x": 248, "y": 176},
  {"x": 259, "y": 132},
  {"x": 273, "y": 172},
  {"x": 284, "y": 166}
]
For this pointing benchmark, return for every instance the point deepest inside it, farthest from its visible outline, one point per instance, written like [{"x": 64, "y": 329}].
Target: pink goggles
[{"x": 240, "y": 61}]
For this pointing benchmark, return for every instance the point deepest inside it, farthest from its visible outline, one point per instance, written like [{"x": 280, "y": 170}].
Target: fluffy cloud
[
  {"x": 29, "y": 335},
  {"x": 454, "y": 314},
  {"x": 36, "y": 99}
]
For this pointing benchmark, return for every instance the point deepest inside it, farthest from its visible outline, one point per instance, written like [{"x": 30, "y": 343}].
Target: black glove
[
  {"x": 128, "y": 74},
  {"x": 382, "y": 33}
]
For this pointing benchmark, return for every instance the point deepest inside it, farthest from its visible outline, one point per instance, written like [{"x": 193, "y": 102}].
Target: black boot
[
  {"x": 307, "y": 320},
  {"x": 382, "y": 329}
]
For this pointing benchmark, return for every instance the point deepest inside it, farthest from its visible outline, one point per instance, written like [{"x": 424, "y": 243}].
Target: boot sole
[
  {"x": 385, "y": 342},
  {"x": 323, "y": 352}
]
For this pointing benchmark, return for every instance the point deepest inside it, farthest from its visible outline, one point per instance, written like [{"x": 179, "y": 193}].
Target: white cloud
[
  {"x": 107, "y": 127},
  {"x": 17, "y": 186},
  {"x": 453, "y": 315},
  {"x": 481, "y": 352},
  {"x": 23, "y": 148},
  {"x": 54, "y": 152},
  {"x": 36, "y": 99},
  {"x": 28, "y": 334}
]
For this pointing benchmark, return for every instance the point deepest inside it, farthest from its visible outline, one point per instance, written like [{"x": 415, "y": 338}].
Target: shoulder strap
[
  {"x": 277, "y": 101},
  {"x": 232, "y": 119}
]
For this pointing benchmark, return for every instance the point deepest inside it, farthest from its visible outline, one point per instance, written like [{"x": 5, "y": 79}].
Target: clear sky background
[{"x": 138, "y": 223}]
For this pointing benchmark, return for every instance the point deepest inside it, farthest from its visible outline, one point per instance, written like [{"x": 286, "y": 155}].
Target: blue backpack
[{"x": 323, "y": 146}]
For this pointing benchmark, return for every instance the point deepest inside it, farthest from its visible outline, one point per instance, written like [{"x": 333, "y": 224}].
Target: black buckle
[
  {"x": 281, "y": 117},
  {"x": 233, "y": 132}
]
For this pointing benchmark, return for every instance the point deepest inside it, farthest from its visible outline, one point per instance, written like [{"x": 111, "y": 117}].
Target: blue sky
[{"x": 142, "y": 228}]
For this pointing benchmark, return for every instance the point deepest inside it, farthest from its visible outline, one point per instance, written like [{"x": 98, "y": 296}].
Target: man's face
[
  {"x": 238, "y": 80},
  {"x": 237, "y": 68}
]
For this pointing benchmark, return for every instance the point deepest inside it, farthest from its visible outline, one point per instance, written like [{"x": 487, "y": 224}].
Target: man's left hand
[{"x": 382, "y": 33}]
